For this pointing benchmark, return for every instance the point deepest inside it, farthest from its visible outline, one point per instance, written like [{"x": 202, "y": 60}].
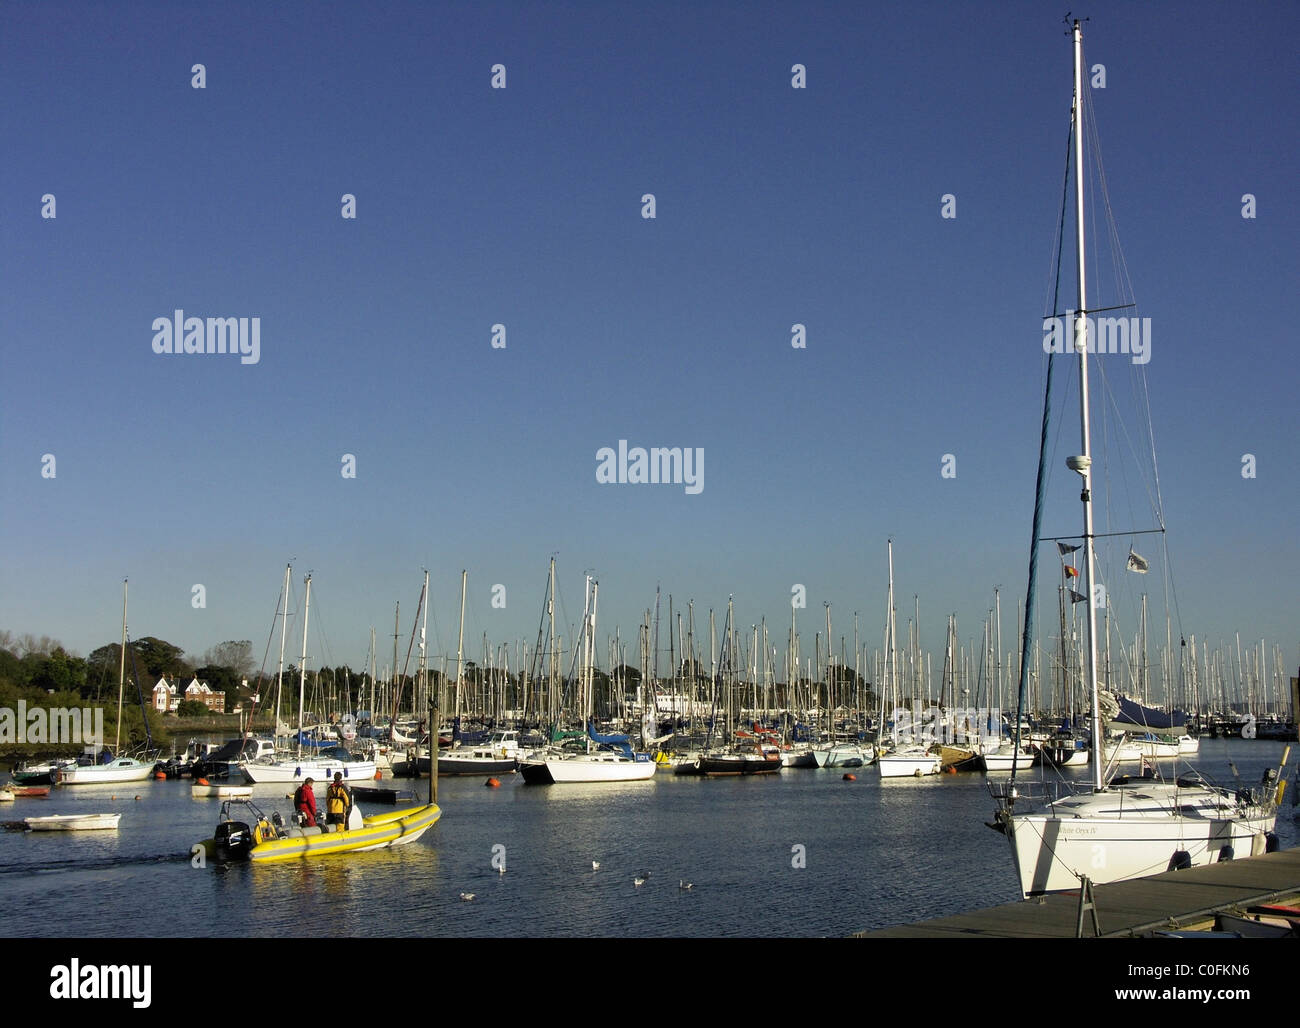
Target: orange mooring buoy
[
  {"x": 850, "y": 778},
  {"x": 203, "y": 781},
  {"x": 160, "y": 775},
  {"x": 379, "y": 775},
  {"x": 493, "y": 783},
  {"x": 949, "y": 770}
]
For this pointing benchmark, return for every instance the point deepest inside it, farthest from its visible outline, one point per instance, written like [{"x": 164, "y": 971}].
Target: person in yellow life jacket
[{"x": 338, "y": 802}]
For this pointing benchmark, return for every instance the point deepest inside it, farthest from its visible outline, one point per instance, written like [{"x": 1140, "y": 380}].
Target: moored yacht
[
  {"x": 107, "y": 770},
  {"x": 320, "y": 766},
  {"x": 498, "y": 755},
  {"x": 914, "y": 761},
  {"x": 843, "y": 754},
  {"x": 1143, "y": 827},
  {"x": 1127, "y": 828}
]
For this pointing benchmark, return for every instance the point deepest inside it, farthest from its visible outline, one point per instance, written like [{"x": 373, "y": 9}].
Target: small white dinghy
[
  {"x": 72, "y": 822},
  {"x": 6, "y": 795},
  {"x": 222, "y": 790}
]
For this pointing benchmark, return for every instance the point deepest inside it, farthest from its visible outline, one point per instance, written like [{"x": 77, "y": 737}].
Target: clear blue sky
[{"x": 522, "y": 206}]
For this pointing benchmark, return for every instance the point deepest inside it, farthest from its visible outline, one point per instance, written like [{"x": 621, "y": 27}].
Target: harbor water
[{"x": 802, "y": 853}]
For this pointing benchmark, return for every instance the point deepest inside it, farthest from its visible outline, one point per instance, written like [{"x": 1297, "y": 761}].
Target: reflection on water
[{"x": 799, "y": 853}]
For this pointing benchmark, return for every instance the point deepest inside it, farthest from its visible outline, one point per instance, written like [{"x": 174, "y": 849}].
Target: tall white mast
[
  {"x": 302, "y": 667},
  {"x": 121, "y": 674},
  {"x": 997, "y": 614},
  {"x": 422, "y": 701},
  {"x": 392, "y": 678},
  {"x": 891, "y": 658},
  {"x": 550, "y": 609},
  {"x": 371, "y": 699},
  {"x": 591, "y": 656},
  {"x": 1083, "y": 463},
  {"x": 460, "y": 648},
  {"x": 279, "y": 674}
]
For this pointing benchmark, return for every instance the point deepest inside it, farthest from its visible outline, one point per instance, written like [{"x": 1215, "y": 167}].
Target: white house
[{"x": 166, "y": 697}]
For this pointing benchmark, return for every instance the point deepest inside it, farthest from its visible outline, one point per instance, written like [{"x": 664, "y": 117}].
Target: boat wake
[{"x": 45, "y": 867}]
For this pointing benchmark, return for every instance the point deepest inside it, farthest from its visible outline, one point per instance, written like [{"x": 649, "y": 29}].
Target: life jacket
[{"x": 336, "y": 799}]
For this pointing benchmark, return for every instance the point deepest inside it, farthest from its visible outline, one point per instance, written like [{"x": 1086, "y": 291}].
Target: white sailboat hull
[
  {"x": 599, "y": 767},
  {"x": 121, "y": 770},
  {"x": 799, "y": 755},
  {"x": 1158, "y": 748},
  {"x": 1051, "y": 850},
  {"x": 308, "y": 767},
  {"x": 996, "y": 761},
  {"x": 907, "y": 765},
  {"x": 1123, "y": 753},
  {"x": 843, "y": 755}
]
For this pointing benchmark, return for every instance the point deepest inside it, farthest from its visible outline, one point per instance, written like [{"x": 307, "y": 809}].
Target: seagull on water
[
  {"x": 595, "y": 865},
  {"x": 467, "y": 896},
  {"x": 683, "y": 884},
  {"x": 640, "y": 879}
]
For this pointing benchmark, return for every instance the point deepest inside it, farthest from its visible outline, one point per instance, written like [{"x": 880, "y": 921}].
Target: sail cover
[
  {"x": 1133, "y": 713},
  {"x": 618, "y": 742}
]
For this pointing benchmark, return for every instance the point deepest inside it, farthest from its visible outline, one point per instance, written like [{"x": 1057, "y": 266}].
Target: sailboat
[
  {"x": 322, "y": 765},
  {"x": 1127, "y": 828},
  {"x": 611, "y": 758},
  {"x": 101, "y": 767},
  {"x": 907, "y": 756}
]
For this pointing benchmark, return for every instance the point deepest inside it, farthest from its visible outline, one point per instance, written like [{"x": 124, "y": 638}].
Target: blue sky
[{"x": 522, "y": 206}]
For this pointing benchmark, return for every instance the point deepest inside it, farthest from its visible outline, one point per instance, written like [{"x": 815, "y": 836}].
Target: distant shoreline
[{"x": 179, "y": 730}]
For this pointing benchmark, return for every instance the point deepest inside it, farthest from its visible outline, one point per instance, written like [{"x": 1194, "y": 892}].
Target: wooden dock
[{"x": 1173, "y": 900}]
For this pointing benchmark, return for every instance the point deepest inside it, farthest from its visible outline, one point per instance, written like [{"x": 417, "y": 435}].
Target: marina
[
  {"x": 979, "y": 626},
  {"x": 815, "y": 854}
]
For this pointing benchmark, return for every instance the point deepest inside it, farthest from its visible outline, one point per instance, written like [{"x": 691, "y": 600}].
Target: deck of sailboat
[{"x": 1176, "y": 899}]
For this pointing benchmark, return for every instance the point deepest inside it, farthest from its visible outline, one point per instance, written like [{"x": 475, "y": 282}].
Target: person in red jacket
[{"x": 304, "y": 801}]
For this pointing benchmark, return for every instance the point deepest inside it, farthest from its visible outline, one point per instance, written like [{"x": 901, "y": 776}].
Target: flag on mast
[{"x": 1137, "y": 563}]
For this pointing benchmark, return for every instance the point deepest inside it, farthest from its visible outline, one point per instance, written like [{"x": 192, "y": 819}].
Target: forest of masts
[{"x": 735, "y": 674}]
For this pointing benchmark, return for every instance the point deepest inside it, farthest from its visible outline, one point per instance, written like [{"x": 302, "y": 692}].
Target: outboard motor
[{"x": 234, "y": 840}]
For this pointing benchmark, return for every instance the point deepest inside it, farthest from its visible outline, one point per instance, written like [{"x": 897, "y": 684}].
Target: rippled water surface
[{"x": 803, "y": 853}]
